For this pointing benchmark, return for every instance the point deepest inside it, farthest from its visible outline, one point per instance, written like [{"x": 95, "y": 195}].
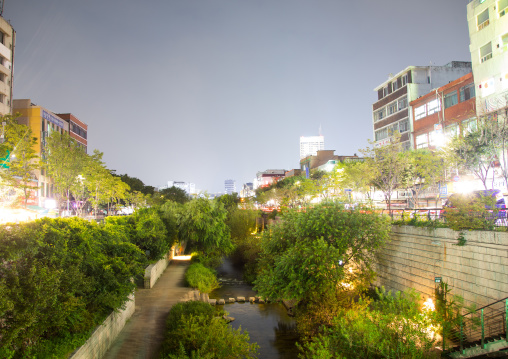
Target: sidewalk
[{"x": 143, "y": 334}]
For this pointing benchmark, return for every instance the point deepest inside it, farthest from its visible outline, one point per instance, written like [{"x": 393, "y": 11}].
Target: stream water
[{"x": 267, "y": 324}]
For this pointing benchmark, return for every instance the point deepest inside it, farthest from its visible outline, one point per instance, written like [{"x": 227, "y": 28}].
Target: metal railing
[{"x": 478, "y": 328}]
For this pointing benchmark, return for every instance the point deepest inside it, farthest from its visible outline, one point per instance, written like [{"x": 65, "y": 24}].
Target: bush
[
  {"x": 193, "y": 332},
  {"x": 150, "y": 233},
  {"x": 60, "y": 278},
  {"x": 202, "y": 278}
]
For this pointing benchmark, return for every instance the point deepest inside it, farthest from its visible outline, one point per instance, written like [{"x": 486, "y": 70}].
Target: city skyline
[{"x": 205, "y": 91}]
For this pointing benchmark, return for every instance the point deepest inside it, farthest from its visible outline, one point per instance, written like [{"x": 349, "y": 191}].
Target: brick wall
[{"x": 477, "y": 271}]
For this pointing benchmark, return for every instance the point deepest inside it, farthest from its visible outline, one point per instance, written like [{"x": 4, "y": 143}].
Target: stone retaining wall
[
  {"x": 104, "y": 335},
  {"x": 477, "y": 271},
  {"x": 154, "y": 271}
]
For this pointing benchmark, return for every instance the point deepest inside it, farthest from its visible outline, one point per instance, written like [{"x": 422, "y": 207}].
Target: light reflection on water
[{"x": 267, "y": 324}]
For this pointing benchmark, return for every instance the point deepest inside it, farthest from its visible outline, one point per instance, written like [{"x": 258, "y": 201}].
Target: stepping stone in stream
[
  {"x": 232, "y": 300},
  {"x": 221, "y": 302},
  {"x": 212, "y": 301},
  {"x": 252, "y": 299},
  {"x": 240, "y": 299}
]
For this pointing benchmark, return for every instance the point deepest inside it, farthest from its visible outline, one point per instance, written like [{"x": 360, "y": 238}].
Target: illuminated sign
[{"x": 52, "y": 118}]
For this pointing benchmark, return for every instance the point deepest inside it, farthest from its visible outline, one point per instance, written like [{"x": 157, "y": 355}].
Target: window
[
  {"x": 2, "y": 77},
  {"x": 402, "y": 103},
  {"x": 2, "y": 37},
  {"x": 381, "y": 134},
  {"x": 385, "y": 91},
  {"x": 433, "y": 107},
  {"x": 451, "y": 131},
  {"x": 395, "y": 86},
  {"x": 450, "y": 99},
  {"x": 379, "y": 115},
  {"x": 486, "y": 52},
  {"x": 422, "y": 141},
  {"x": 504, "y": 41},
  {"x": 420, "y": 112},
  {"x": 2, "y": 98},
  {"x": 466, "y": 92},
  {"x": 503, "y": 7},
  {"x": 469, "y": 125},
  {"x": 404, "y": 125},
  {"x": 483, "y": 19},
  {"x": 404, "y": 79},
  {"x": 392, "y": 108}
]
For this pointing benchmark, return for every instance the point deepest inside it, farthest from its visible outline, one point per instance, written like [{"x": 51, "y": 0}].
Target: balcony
[{"x": 483, "y": 24}]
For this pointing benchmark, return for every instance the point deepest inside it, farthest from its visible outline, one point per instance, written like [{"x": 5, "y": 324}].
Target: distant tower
[
  {"x": 309, "y": 145},
  {"x": 230, "y": 186}
]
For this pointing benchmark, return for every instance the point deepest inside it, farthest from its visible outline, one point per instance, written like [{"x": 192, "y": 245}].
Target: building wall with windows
[
  {"x": 309, "y": 145},
  {"x": 42, "y": 122},
  {"x": 391, "y": 111},
  {"x": 7, "y": 44},
  {"x": 488, "y": 34},
  {"x": 230, "y": 186},
  {"x": 77, "y": 130},
  {"x": 438, "y": 115}
]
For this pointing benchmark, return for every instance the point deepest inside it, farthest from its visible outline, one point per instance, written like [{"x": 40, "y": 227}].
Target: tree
[
  {"x": 425, "y": 169},
  {"x": 98, "y": 179},
  {"x": 18, "y": 148},
  {"x": 476, "y": 150},
  {"x": 387, "y": 164},
  {"x": 202, "y": 223},
  {"x": 174, "y": 194},
  {"x": 64, "y": 160},
  {"x": 319, "y": 253}
]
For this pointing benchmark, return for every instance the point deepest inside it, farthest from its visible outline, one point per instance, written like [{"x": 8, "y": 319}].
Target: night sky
[{"x": 207, "y": 90}]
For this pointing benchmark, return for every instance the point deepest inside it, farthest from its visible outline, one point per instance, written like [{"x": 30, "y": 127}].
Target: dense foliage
[
  {"x": 202, "y": 278},
  {"x": 391, "y": 327},
  {"x": 193, "y": 331},
  {"x": 59, "y": 279}
]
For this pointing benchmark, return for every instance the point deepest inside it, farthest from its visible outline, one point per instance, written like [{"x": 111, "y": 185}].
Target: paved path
[{"x": 143, "y": 334}]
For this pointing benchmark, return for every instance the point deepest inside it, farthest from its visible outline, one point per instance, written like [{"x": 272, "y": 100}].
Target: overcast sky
[{"x": 207, "y": 90}]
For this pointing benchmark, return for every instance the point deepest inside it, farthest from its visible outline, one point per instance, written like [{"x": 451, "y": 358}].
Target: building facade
[
  {"x": 77, "y": 129},
  {"x": 325, "y": 160},
  {"x": 441, "y": 113},
  {"x": 229, "y": 186},
  {"x": 7, "y": 44},
  {"x": 391, "y": 111},
  {"x": 188, "y": 187},
  {"x": 309, "y": 145},
  {"x": 266, "y": 178},
  {"x": 488, "y": 34}
]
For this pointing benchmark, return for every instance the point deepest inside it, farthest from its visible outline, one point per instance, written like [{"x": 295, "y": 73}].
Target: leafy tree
[
  {"x": 18, "y": 147},
  {"x": 387, "y": 164},
  {"x": 64, "y": 161},
  {"x": 174, "y": 194},
  {"x": 320, "y": 253},
  {"x": 476, "y": 151},
  {"x": 202, "y": 224},
  {"x": 425, "y": 169}
]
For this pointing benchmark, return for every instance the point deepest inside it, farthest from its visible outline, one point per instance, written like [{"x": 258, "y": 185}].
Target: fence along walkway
[{"x": 143, "y": 334}]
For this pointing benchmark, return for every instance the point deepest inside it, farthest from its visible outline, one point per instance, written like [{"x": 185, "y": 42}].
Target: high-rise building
[
  {"x": 391, "y": 111},
  {"x": 7, "y": 42},
  {"x": 230, "y": 186},
  {"x": 309, "y": 145},
  {"x": 488, "y": 33},
  {"x": 188, "y": 187}
]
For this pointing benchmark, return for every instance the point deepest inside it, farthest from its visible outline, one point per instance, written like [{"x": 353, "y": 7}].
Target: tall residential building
[
  {"x": 391, "y": 111},
  {"x": 230, "y": 186},
  {"x": 309, "y": 145},
  {"x": 488, "y": 34},
  {"x": 7, "y": 42}
]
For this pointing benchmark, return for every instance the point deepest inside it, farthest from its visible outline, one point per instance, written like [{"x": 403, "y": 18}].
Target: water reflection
[{"x": 267, "y": 324}]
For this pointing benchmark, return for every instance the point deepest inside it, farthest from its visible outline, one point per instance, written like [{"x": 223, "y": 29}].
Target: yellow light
[{"x": 428, "y": 305}]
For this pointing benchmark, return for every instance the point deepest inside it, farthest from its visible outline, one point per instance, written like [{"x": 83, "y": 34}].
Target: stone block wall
[
  {"x": 104, "y": 335},
  {"x": 477, "y": 271},
  {"x": 154, "y": 271}
]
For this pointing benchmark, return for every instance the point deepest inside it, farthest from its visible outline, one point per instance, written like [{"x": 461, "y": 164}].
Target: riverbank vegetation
[{"x": 197, "y": 330}]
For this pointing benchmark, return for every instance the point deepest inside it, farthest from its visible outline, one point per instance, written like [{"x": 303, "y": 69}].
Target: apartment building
[
  {"x": 488, "y": 34},
  {"x": 7, "y": 42},
  {"x": 309, "y": 145},
  {"x": 77, "y": 129},
  {"x": 391, "y": 111},
  {"x": 439, "y": 115}
]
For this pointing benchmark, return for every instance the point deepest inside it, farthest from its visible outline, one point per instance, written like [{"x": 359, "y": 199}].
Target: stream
[{"x": 267, "y": 324}]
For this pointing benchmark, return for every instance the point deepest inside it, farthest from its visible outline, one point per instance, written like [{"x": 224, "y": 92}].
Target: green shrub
[
  {"x": 193, "y": 332},
  {"x": 202, "y": 278},
  {"x": 150, "y": 233}
]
